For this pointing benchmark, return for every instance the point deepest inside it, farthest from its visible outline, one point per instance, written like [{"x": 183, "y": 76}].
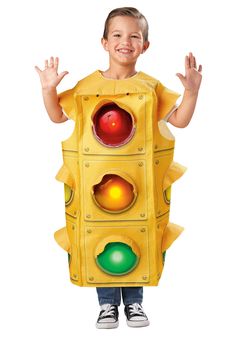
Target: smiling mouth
[{"x": 124, "y": 51}]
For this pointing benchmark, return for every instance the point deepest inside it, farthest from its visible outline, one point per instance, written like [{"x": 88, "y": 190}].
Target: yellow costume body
[{"x": 118, "y": 238}]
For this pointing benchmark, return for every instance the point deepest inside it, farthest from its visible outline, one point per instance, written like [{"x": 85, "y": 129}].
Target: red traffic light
[{"x": 113, "y": 126}]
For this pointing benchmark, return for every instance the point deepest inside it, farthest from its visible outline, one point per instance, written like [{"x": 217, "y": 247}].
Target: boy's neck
[{"x": 119, "y": 73}]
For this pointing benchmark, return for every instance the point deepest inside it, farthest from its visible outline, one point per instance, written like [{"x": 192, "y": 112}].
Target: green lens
[{"x": 117, "y": 259}]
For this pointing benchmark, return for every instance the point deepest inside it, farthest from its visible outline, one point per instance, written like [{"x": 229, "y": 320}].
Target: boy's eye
[
  {"x": 135, "y": 36},
  {"x": 116, "y": 35}
]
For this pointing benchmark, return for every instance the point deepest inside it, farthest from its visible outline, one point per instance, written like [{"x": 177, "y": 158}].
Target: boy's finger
[
  {"x": 56, "y": 61},
  {"x": 192, "y": 60},
  {"x": 180, "y": 76},
  {"x": 46, "y": 64},
  {"x": 187, "y": 65},
  {"x": 61, "y": 75},
  {"x": 51, "y": 61},
  {"x": 200, "y": 68},
  {"x": 38, "y": 70}
]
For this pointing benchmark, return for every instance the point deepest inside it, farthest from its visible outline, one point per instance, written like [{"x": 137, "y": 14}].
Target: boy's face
[{"x": 124, "y": 40}]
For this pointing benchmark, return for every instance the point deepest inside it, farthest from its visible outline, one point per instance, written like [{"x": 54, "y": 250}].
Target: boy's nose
[{"x": 126, "y": 41}]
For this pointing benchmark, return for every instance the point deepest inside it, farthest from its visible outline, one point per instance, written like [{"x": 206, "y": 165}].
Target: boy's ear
[
  {"x": 104, "y": 43},
  {"x": 145, "y": 46}
]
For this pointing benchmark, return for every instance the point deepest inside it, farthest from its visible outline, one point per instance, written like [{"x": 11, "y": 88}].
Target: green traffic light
[{"x": 117, "y": 259}]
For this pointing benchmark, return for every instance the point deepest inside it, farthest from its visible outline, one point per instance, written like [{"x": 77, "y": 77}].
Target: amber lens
[{"x": 114, "y": 193}]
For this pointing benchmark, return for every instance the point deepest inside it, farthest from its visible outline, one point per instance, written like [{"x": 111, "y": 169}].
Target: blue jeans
[{"x": 113, "y": 295}]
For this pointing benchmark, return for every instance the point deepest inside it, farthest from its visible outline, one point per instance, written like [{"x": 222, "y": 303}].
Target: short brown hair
[{"x": 127, "y": 11}]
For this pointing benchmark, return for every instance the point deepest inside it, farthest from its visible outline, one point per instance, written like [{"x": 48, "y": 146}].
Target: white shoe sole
[
  {"x": 107, "y": 325},
  {"x": 137, "y": 324}
]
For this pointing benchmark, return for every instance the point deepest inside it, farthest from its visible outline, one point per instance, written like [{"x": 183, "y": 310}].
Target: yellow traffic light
[
  {"x": 114, "y": 193},
  {"x": 118, "y": 170}
]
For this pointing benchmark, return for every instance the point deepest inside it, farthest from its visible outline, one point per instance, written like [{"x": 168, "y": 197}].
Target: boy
[{"x": 125, "y": 38}]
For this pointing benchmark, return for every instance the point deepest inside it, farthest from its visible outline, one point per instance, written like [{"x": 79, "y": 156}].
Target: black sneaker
[
  {"x": 136, "y": 317},
  {"x": 108, "y": 317}
]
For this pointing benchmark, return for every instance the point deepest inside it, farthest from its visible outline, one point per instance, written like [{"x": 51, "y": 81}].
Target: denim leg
[
  {"x": 109, "y": 295},
  {"x": 132, "y": 295}
]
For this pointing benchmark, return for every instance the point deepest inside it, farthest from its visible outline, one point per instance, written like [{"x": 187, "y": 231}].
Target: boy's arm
[
  {"x": 52, "y": 105},
  {"x": 183, "y": 114},
  {"x": 191, "y": 82},
  {"x": 49, "y": 80}
]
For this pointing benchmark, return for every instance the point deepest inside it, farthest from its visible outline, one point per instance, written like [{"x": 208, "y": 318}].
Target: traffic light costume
[{"x": 118, "y": 170}]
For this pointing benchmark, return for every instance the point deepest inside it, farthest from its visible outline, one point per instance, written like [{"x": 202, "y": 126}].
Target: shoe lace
[
  {"x": 136, "y": 309},
  {"x": 109, "y": 311}
]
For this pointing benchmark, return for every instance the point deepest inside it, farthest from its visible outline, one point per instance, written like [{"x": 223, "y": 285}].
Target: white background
[{"x": 196, "y": 295}]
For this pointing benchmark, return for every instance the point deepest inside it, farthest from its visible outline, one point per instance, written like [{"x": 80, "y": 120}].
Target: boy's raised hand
[
  {"x": 192, "y": 79},
  {"x": 49, "y": 77}
]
